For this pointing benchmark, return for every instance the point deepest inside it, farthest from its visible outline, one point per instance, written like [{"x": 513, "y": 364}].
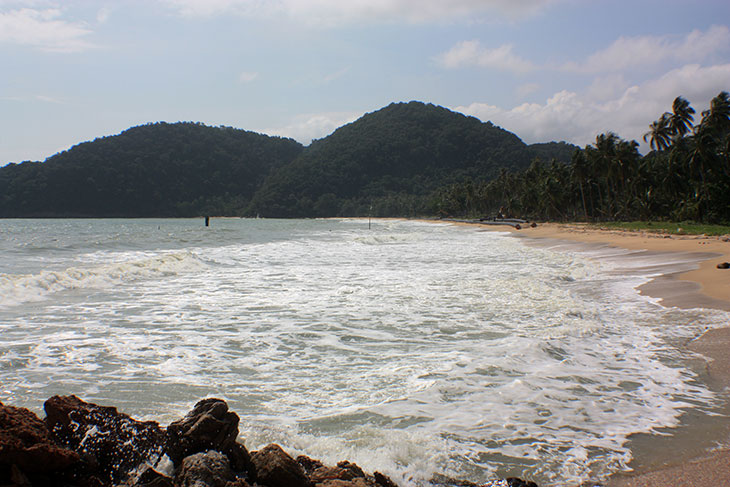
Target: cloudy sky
[{"x": 74, "y": 70}]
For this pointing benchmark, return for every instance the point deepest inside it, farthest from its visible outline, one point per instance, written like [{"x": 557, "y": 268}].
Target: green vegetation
[
  {"x": 389, "y": 163},
  {"x": 685, "y": 177},
  {"x": 161, "y": 169},
  {"x": 675, "y": 228},
  {"x": 407, "y": 159},
  {"x": 394, "y": 161}
]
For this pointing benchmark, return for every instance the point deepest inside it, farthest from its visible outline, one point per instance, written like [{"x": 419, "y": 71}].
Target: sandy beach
[{"x": 694, "y": 284}]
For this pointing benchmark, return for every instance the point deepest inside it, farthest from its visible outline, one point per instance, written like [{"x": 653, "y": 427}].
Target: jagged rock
[
  {"x": 209, "y": 469},
  {"x": 343, "y": 471},
  {"x": 515, "y": 482},
  {"x": 383, "y": 480},
  {"x": 356, "y": 482},
  {"x": 26, "y": 443},
  {"x": 151, "y": 478},
  {"x": 209, "y": 426},
  {"x": 309, "y": 464},
  {"x": 275, "y": 468},
  {"x": 111, "y": 443}
]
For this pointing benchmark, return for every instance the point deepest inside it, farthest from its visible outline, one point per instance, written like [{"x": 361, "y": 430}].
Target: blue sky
[{"x": 74, "y": 70}]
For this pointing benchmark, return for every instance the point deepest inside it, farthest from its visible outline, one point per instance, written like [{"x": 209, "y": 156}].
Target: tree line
[{"x": 686, "y": 176}]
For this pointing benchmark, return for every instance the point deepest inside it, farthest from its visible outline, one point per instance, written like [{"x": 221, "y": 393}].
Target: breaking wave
[{"x": 22, "y": 288}]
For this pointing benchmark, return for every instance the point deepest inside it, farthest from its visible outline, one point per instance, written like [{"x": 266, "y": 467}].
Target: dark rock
[
  {"x": 26, "y": 443},
  {"x": 357, "y": 482},
  {"x": 343, "y": 471},
  {"x": 383, "y": 480},
  {"x": 110, "y": 443},
  {"x": 275, "y": 468},
  {"x": 309, "y": 464},
  {"x": 151, "y": 478},
  {"x": 351, "y": 468},
  {"x": 723, "y": 265},
  {"x": 209, "y": 426},
  {"x": 515, "y": 482},
  {"x": 240, "y": 458},
  {"x": 209, "y": 469}
]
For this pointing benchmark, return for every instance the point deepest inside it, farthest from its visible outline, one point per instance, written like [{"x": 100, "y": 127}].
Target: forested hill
[
  {"x": 393, "y": 160},
  {"x": 181, "y": 169}
]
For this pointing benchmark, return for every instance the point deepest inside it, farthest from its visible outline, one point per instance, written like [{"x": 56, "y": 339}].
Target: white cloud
[
  {"x": 247, "y": 77},
  {"x": 646, "y": 51},
  {"x": 471, "y": 53},
  {"x": 579, "y": 117},
  {"x": 43, "y": 29},
  {"x": 307, "y": 127},
  {"x": 333, "y": 11}
]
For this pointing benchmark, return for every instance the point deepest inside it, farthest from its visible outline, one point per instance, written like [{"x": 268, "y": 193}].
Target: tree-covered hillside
[
  {"x": 393, "y": 160},
  {"x": 182, "y": 169}
]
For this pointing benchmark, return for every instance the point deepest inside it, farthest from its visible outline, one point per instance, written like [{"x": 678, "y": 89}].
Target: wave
[{"x": 21, "y": 288}]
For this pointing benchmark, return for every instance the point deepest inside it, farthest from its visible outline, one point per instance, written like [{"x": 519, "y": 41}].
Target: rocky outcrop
[
  {"x": 86, "y": 445},
  {"x": 209, "y": 426},
  {"x": 111, "y": 444},
  {"x": 209, "y": 469},
  {"x": 28, "y": 453},
  {"x": 275, "y": 468}
]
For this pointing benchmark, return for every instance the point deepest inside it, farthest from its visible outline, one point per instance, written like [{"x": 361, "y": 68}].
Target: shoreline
[{"x": 692, "y": 280}]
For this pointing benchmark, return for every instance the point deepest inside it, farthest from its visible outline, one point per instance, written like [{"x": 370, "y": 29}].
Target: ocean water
[{"x": 412, "y": 348}]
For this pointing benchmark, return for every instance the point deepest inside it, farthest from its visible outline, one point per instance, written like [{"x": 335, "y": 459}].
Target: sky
[{"x": 562, "y": 70}]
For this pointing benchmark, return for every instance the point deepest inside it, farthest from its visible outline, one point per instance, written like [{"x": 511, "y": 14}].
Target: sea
[{"x": 423, "y": 350}]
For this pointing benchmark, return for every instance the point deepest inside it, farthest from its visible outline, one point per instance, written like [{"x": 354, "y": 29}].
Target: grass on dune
[{"x": 674, "y": 228}]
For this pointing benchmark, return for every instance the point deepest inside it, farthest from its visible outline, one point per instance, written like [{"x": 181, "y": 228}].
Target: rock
[
  {"x": 723, "y": 265},
  {"x": 357, "y": 482},
  {"x": 383, "y": 480},
  {"x": 151, "y": 478},
  {"x": 309, "y": 464},
  {"x": 515, "y": 482},
  {"x": 110, "y": 443},
  {"x": 343, "y": 471},
  {"x": 26, "y": 443},
  {"x": 209, "y": 426},
  {"x": 275, "y": 468},
  {"x": 209, "y": 469},
  {"x": 28, "y": 454}
]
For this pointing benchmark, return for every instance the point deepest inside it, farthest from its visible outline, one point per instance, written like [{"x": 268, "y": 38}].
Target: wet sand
[{"x": 689, "y": 279}]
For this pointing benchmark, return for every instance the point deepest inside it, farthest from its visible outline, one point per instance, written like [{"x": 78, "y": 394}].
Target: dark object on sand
[{"x": 723, "y": 265}]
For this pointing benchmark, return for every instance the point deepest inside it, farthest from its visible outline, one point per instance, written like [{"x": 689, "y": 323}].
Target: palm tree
[
  {"x": 717, "y": 118},
  {"x": 680, "y": 120},
  {"x": 660, "y": 133},
  {"x": 580, "y": 174}
]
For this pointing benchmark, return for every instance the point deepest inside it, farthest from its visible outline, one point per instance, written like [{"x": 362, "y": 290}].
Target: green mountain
[
  {"x": 393, "y": 160},
  {"x": 182, "y": 169}
]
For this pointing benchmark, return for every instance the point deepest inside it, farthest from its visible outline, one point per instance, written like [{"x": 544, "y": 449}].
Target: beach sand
[{"x": 695, "y": 283}]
